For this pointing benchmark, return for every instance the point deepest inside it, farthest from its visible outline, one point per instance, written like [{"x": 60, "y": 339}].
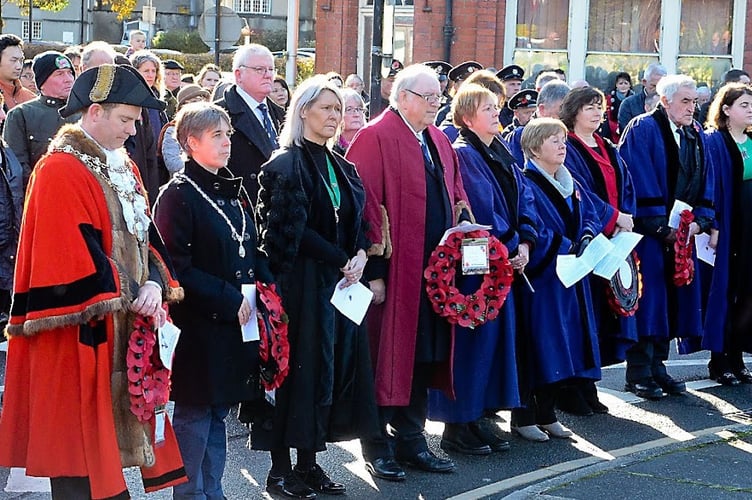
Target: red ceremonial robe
[
  {"x": 67, "y": 410},
  {"x": 390, "y": 163}
]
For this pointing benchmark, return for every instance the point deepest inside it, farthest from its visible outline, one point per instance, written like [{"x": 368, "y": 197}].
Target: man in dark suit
[{"x": 255, "y": 118}]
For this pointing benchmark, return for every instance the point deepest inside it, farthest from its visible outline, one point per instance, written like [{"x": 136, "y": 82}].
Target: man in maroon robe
[{"x": 414, "y": 193}]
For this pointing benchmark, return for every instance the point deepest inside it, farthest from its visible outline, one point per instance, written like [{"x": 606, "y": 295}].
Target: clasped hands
[{"x": 149, "y": 303}]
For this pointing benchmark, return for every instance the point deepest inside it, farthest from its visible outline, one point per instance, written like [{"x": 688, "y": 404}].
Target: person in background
[
  {"x": 256, "y": 120},
  {"x": 511, "y": 77},
  {"x": 74, "y": 54},
  {"x": 484, "y": 368},
  {"x": 728, "y": 319},
  {"x": 442, "y": 70},
  {"x": 386, "y": 85},
  {"x": 173, "y": 71},
  {"x": 27, "y": 77},
  {"x": 413, "y": 194},
  {"x": 523, "y": 105},
  {"x": 205, "y": 218},
  {"x": 208, "y": 76},
  {"x": 11, "y": 64},
  {"x": 281, "y": 92},
  {"x": 169, "y": 151},
  {"x": 136, "y": 42},
  {"x": 355, "y": 82},
  {"x": 90, "y": 271},
  {"x": 666, "y": 154},
  {"x": 354, "y": 118},
  {"x": 614, "y": 97},
  {"x": 31, "y": 126},
  {"x": 336, "y": 79},
  {"x": 635, "y": 104},
  {"x": 11, "y": 208},
  {"x": 310, "y": 216},
  {"x": 457, "y": 75},
  {"x": 730, "y": 76},
  {"x": 188, "y": 79},
  {"x": 484, "y": 78},
  {"x": 97, "y": 53}
]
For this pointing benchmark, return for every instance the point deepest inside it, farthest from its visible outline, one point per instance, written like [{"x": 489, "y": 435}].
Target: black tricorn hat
[{"x": 110, "y": 83}]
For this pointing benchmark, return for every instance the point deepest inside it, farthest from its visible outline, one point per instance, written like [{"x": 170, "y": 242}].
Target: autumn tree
[{"x": 123, "y": 8}]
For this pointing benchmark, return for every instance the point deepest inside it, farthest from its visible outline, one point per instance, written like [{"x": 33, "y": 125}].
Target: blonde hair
[
  {"x": 537, "y": 131},
  {"x": 468, "y": 100},
  {"x": 304, "y": 96}
]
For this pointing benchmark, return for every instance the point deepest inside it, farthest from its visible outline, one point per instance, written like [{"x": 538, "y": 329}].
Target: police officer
[{"x": 511, "y": 77}]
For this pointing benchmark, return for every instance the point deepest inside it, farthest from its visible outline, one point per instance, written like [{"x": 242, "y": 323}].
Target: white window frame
[
  {"x": 263, "y": 7},
  {"x": 36, "y": 30},
  {"x": 669, "y": 43}
]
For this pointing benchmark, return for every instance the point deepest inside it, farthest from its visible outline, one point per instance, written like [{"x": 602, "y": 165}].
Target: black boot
[
  {"x": 488, "y": 432},
  {"x": 570, "y": 399},
  {"x": 459, "y": 438},
  {"x": 590, "y": 393}
]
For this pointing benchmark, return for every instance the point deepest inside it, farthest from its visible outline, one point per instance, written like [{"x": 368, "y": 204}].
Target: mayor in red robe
[
  {"x": 88, "y": 261},
  {"x": 413, "y": 194}
]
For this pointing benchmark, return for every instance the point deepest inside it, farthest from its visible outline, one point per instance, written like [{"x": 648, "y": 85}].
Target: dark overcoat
[
  {"x": 212, "y": 363},
  {"x": 328, "y": 394}
]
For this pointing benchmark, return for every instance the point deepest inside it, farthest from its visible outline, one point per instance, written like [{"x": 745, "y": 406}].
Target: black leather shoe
[
  {"x": 289, "y": 486},
  {"x": 459, "y": 438},
  {"x": 570, "y": 399},
  {"x": 744, "y": 376},
  {"x": 725, "y": 378},
  {"x": 646, "y": 388},
  {"x": 489, "y": 433},
  {"x": 316, "y": 479},
  {"x": 427, "y": 461},
  {"x": 385, "y": 468},
  {"x": 671, "y": 385}
]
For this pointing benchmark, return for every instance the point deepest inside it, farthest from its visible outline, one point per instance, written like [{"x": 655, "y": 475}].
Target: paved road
[{"x": 633, "y": 429}]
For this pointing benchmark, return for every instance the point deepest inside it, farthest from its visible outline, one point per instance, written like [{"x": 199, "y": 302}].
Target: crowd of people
[{"x": 242, "y": 203}]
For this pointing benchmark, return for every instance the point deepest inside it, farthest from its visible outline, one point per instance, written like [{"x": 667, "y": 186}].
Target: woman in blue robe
[
  {"x": 728, "y": 319},
  {"x": 599, "y": 167},
  {"x": 558, "y": 321},
  {"x": 485, "y": 366}
]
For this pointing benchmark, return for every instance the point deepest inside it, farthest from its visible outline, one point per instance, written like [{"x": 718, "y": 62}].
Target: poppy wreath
[
  {"x": 627, "y": 304},
  {"x": 684, "y": 266},
  {"x": 480, "y": 306},
  {"x": 148, "y": 378},
  {"x": 274, "y": 347}
]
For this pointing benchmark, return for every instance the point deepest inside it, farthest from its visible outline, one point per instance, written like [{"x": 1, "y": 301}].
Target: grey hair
[
  {"x": 195, "y": 118},
  {"x": 93, "y": 48},
  {"x": 669, "y": 85},
  {"x": 407, "y": 78},
  {"x": 246, "y": 51},
  {"x": 351, "y": 77},
  {"x": 348, "y": 93},
  {"x": 304, "y": 96},
  {"x": 654, "y": 69},
  {"x": 142, "y": 56},
  {"x": 553, "y": 91}
]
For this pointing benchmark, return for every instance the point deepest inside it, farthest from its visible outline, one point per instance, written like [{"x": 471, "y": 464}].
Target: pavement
[{"x": 693, "y": 446}]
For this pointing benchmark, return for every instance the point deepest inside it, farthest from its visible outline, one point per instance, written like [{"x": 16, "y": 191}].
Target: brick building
[{"x": 587, "y": 38}]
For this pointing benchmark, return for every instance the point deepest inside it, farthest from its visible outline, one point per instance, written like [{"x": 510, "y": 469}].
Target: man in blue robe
[{"x": 666, "y": 154}]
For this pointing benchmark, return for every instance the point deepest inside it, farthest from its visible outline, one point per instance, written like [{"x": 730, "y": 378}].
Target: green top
[
  {"x": 745, "y": 148},
  {"x": 333, "y": 187}
]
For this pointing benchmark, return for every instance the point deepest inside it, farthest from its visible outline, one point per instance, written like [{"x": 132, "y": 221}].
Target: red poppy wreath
[
  {"x": 684, "y": 266},
  {"x": 480, "y": 306},
  {"x": 274, "y": 347},
  {"x": 148, "y": 378}
]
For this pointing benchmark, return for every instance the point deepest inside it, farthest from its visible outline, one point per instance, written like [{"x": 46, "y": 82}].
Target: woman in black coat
[
  {"x": 204, "y": 216},
  {"x": 310, "y": 212}
]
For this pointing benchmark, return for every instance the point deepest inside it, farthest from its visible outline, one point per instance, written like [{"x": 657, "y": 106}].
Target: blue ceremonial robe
[
  {"x": 729, "y": 288},
  {"x": 559, "y": 321},
  {"x": 616, "y": 333},
  {"x": 652, "y": 156},
  {"x": 485, "y": 365},
  {"x": 513, "y": 143}
]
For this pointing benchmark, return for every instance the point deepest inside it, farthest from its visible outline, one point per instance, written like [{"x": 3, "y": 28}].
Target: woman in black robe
[{"x": 310, "y": 216}]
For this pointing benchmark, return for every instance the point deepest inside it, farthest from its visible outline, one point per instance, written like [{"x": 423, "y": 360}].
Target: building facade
[{"x": 589, "y": 39}]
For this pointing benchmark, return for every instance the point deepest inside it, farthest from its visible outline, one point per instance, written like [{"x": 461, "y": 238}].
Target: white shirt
[{"x": 253, "y": 104}]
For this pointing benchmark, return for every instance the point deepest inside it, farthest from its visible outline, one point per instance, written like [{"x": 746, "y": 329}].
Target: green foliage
[
  {"x": 306, "y": 67},
  {"x": 50, "y": 5},
  {"x": 275, "y": 40},
  {"x": 188, "y": 42}
]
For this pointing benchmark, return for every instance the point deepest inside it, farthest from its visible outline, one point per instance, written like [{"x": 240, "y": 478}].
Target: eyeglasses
[
  {"x": 260, "y": 70},
  {"x": 426, "y": 97},
  {"x": 351, "y": 110}
]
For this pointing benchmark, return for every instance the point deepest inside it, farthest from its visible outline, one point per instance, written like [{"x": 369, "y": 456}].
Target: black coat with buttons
[{"x": 212, "y": 363}]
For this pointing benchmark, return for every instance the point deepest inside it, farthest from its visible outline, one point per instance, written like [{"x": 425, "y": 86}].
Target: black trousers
[
  {"x": 407, "y": 422},
  {"x": 645, "y": 359},
  {"x": 76, "y": 488},
  {"x": 539, "y": 409}
]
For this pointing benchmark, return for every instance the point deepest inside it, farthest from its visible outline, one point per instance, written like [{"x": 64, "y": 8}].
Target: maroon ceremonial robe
[{"x": 390, "y": 163}]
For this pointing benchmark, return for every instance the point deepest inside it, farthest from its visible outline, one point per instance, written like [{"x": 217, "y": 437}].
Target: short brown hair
[
  {"x": 466, "y": 102},
  {"x": 537, "y": 131},
  {"x": 575, "y": 100},
  {"x": 726, "y": 96}
]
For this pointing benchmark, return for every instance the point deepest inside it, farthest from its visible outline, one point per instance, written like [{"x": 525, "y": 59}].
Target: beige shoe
[
  {"x": 557, "y": 430},
  {"x": 531, "y": 433}
]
